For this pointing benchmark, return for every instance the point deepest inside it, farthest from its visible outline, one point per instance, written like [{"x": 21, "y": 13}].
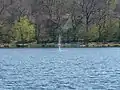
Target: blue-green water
[{"x": 49, "y": 69}]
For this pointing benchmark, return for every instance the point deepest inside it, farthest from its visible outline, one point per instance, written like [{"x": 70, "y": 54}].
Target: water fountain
[{"x": 59, "y": 43}]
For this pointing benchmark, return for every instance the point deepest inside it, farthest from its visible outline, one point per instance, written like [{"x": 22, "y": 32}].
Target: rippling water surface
[{"x": 49, "y": 69}]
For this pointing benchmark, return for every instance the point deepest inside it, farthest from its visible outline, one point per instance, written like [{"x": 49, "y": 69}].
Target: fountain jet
[{"x": 59, "y": 43}]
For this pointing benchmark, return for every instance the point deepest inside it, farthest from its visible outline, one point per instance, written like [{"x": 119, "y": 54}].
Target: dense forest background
[{"x": 42, "y": 21}]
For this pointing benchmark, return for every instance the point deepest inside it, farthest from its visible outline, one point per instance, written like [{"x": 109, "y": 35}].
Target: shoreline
[
  {"x": 66, "y": 45},
  {"x": 62, "y": 48}
]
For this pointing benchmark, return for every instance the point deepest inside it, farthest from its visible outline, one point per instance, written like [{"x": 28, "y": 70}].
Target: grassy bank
[
  {"x": 100, "y": 44},
  {"x": 66, "y": 45}
]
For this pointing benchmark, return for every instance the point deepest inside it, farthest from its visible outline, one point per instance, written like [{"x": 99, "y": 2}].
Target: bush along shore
[{"x": 65, "y": 45}]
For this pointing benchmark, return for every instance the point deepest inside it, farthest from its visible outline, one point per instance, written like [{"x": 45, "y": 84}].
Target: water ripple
[{"x": 74, "y": 69}]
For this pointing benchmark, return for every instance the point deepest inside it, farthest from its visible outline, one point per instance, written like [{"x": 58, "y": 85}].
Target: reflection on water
[{"x": 48, "y": 69}]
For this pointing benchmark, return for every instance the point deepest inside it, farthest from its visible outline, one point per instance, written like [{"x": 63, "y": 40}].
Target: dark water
[{"x": 49, "y": 69}]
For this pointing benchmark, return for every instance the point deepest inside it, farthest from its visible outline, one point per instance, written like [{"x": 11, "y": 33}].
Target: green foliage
[
  {"x": 109, "y": 32},
  {"x": 23, "y": 30},
  {"x": 93, "y": 33},
  {"x": 5, "y": 33},
  {"x": 113, "y": 4}
]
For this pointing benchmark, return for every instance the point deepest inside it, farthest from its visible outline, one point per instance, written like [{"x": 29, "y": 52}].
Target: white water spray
[{"x": 59, "y": 43}]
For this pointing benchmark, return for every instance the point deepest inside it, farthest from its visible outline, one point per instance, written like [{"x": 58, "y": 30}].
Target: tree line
[{"x": 44, "y": 20}]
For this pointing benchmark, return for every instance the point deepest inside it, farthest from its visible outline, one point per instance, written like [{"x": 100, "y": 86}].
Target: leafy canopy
[{"x": 23, "y": 30}]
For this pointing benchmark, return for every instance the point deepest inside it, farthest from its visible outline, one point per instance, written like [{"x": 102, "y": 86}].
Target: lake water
[{"x": 49, "y": 69}]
